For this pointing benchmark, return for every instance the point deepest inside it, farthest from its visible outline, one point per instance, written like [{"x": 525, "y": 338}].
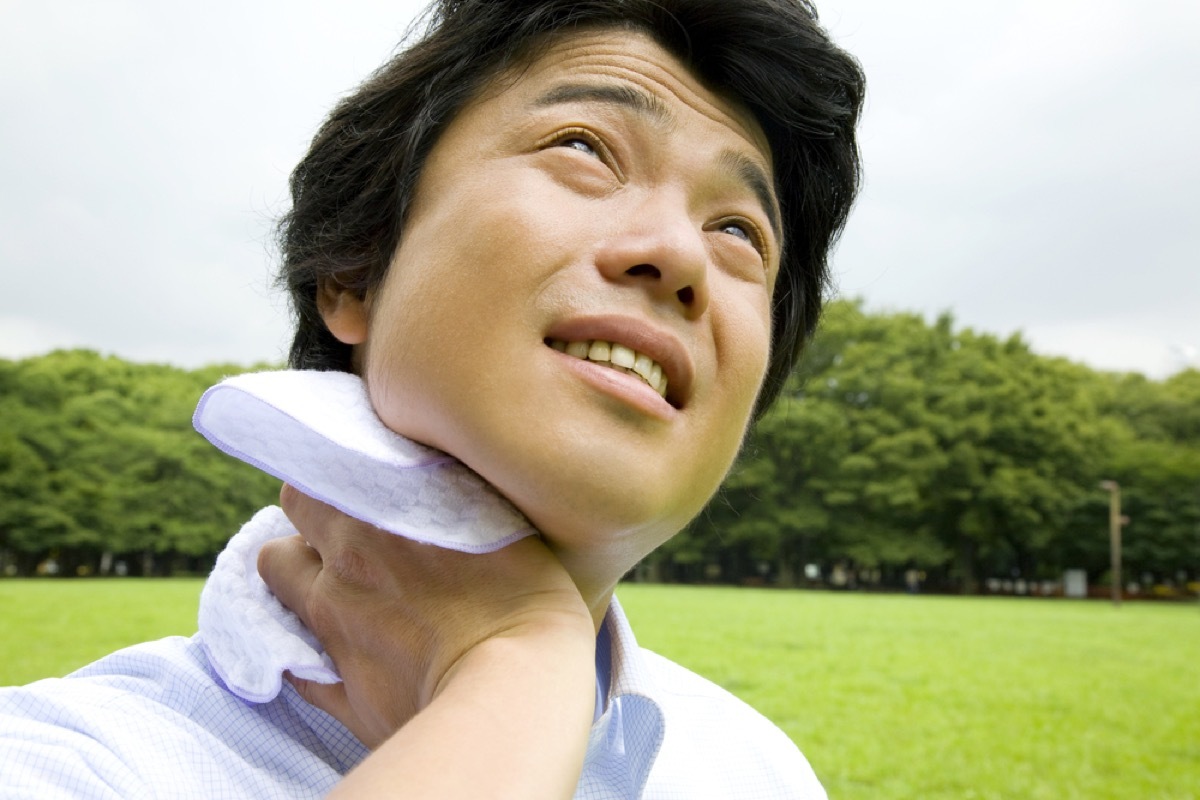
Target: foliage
[
  {"x": 99, "y": 466},
  {"x": 900, "y": 447}
]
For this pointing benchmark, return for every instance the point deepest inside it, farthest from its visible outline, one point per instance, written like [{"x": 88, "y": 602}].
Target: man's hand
[{"x": 400, "y": 619}]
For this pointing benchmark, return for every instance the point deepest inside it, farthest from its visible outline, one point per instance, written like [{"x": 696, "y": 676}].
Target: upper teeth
[{"x": 619, "y": 357}]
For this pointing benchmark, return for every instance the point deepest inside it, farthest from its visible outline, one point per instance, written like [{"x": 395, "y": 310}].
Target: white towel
[{"x": 318, "y": 432}]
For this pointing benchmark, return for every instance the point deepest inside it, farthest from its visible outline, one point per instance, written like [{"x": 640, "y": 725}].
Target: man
[{"x": 577, "y": 246}]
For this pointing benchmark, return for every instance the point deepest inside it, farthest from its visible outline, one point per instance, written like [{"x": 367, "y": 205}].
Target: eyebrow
[
  {"x": 751, "y": 174},
  {"x": 745, "y": 168},
  {"x": 608, "y": 94}
]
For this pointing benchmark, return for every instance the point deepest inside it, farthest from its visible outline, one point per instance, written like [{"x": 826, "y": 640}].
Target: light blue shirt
[{"x": 155, "y": 721}]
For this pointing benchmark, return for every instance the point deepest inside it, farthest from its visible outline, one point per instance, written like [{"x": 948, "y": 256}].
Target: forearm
[{"x": 511, "y": 720}]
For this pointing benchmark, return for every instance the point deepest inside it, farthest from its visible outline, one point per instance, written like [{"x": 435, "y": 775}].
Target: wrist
[
  {"x": 519, "y": 709},
  {"x": 559, "y": 648}
]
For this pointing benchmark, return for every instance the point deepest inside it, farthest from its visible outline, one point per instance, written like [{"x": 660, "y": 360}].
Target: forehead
[
  {"x": 633, "y": 58},
  {"x": 626, "y": 74}
]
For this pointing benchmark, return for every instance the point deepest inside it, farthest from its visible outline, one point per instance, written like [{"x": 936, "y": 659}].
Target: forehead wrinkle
[
  {"x": 751, "y": 174},
  {"x": 635, "y": 56},
  {"x": 619, "y": 95}
]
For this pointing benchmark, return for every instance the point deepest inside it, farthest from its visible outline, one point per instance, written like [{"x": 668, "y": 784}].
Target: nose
[{"x": 659, "y": 248}]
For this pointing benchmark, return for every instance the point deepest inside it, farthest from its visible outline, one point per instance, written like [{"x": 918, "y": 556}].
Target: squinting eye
[
  {"x": 587, "y": 142},
  {"x": 580, "y": 144},
  {"x": 745, "y": 230},
  {"x": 738, "y": 230}
]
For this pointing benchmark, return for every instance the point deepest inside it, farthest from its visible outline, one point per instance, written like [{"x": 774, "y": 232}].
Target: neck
[{"x": 595, "y": 583}]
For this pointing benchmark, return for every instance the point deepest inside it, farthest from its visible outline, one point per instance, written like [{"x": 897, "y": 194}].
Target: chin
[{"x": 574, "y": 514}]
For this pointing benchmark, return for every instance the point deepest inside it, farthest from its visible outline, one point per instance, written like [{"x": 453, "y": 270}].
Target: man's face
[{"x": 599, "y": 202}]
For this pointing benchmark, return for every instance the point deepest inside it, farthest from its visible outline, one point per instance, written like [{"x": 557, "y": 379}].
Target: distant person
[
  {"x": 578, "y": 245},
  {"x": 912, "y": 580}
]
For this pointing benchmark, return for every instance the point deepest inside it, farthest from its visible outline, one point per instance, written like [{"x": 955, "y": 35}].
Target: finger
[
  {"x": 330, "y": 698},
  {"x": 289, "y": 567},
  {"x": 312, "y": 518}
]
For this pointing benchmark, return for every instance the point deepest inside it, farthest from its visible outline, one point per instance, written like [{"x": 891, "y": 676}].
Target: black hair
[{"x": 352, "y": 190}]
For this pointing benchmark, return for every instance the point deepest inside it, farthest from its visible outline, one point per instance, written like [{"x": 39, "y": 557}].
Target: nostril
[
  {"x": 644, "y": 269},
  {"x": 686, "y": 295}
]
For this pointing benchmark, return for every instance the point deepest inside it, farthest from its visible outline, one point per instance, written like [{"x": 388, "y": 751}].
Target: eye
[
  {"x": 583, "y": 141},
  {"x": 578, "y": 143},
  {"x": 746, "y": 231},
  {"x": 737, "y": 229}
]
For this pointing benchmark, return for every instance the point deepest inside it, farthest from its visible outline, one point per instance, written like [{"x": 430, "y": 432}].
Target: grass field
[
  {"x": 50, "y": 627},
  {"x": 888, "y": 696}
]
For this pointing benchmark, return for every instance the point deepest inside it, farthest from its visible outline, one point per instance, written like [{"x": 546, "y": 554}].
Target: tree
[{"x": 98, "y": 461}]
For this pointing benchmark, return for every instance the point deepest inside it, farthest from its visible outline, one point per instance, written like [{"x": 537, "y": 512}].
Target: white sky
[{"x": 1031, "y": 165}]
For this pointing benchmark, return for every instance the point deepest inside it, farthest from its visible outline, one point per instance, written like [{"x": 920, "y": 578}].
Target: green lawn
[
  {"x": 888, "y": 696},
  {"x": 933, "y": 697},
  {"x": 50, "y": 627}
]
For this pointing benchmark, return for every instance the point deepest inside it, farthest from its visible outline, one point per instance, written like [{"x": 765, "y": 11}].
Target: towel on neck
[{"x": 318, "y": 432}]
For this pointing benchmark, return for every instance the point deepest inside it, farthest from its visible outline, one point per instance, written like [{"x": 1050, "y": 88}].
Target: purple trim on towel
[{"x": 436, "y": 461}]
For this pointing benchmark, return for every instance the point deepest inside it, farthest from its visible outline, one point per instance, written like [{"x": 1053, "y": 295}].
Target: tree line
[
  {"x": 101, "y": 471},
  {"x": 900, "y": 448},
  {"x": 906, "y": 447}
]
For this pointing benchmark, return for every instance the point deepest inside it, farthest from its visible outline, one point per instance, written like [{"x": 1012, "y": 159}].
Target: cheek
[
  {"x": 743, "y": 351},
  {"x": 745, "y": 343},
  {"x": 498, "y": 256},
  {"x": 462, "y": 288}
]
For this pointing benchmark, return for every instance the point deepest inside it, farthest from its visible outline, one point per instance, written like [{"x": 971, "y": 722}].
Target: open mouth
[{"x": 618, "y": 357}]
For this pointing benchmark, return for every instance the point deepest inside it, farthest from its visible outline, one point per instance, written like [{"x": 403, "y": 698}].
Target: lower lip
[{"x": 620, "y": 385}]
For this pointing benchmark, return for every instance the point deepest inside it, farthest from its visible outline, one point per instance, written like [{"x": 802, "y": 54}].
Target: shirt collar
[
  {"x": 625, "y": 740},
  {"x": 628, "y": 672}
]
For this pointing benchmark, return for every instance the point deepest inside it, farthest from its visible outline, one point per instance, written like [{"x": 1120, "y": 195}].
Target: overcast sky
[{"x": 1031, "y": 166}]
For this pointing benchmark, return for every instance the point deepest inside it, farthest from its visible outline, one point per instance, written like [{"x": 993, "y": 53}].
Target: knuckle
[
  {"x": 353, "y": 568},
  {"x": 263, "y": 561},
  {"x": 274, "y": 555},
  {"x": 320, "y": 614},
  {"x": 320, "y": 617},
  {"x": 287, "y": 498}
]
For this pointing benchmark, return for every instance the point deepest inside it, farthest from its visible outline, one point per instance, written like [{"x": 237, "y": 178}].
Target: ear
[{"x": 344, "y": 313}]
